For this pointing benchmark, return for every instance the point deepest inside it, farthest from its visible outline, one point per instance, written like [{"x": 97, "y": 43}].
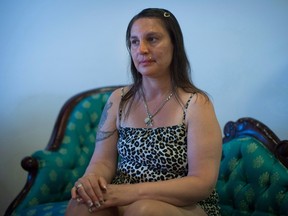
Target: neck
[{"x": 154, "y": 90}]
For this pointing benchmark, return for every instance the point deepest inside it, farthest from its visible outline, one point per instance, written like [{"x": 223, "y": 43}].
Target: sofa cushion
[
  {"x": 249, "y": 180},
  {"x": 47, "y": 209}
]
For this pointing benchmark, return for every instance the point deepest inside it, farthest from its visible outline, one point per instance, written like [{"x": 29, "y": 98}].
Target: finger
[
  {"x": 97, "y": 208},
  {"x": 75, "y": 196},
  {"x": 92, "y": 190},
  {"x": 74, "y": 193},
  {"x": 95, "y": 193},
  {"x": 80, "y": 200},
  {"x": 89, "y": 189},
  {"x": 82, "y": 196},
  {"x": 103, "y": 183}
]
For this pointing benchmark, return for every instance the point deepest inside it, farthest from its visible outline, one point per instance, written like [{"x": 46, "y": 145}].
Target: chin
[
  {"x": 146, "y": 72},
  {"x": 147, "y": 69}
]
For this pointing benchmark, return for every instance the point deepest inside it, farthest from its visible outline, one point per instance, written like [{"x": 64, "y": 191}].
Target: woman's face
[{"x": 151, "y": 48}]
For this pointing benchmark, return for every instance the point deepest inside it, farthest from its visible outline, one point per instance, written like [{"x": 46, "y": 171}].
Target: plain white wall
[{"x": 51, "y": 50}]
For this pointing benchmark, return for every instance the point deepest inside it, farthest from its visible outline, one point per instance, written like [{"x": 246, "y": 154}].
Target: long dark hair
[{"x": 180, "y": 70}]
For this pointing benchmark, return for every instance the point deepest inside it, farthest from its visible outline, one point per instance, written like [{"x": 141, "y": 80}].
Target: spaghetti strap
[
  {"x": 186, "y": 107},
  {"x": 122, "y": 92}
]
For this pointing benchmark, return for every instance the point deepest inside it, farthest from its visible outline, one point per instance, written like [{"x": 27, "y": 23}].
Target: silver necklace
[{"x": 149, "y": 119}]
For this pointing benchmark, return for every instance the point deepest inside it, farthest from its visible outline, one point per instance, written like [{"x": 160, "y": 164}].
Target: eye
[
  {"x": 152, "y": 39},
  {"x": 134, "y": 42}
]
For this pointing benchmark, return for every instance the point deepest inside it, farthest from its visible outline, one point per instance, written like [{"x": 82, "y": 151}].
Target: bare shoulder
[
  {"x": 112, "y": 105},
  {"x": 109, "y": 114},
  {"x": 118, "y": 93},
  {"x": 201, "y": 109},
  {"x": 200, "y": 101}
]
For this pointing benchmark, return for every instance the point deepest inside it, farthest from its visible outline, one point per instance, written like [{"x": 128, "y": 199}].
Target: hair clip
[{"x": 166, "y": 14}]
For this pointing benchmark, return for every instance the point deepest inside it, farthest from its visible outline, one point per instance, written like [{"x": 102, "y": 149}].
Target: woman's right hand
[{"x": 89, "y": 190}]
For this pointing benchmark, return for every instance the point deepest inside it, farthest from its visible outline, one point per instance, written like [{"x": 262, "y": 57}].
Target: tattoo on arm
[
  {"x": 102, "y": 135},
  {"x": 104, "y": 114}
]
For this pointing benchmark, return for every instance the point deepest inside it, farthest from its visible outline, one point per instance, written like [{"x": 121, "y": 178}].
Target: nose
[{"x": 143, "y": 48}]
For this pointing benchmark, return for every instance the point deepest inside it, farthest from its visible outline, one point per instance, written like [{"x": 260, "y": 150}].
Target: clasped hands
[{"x": 94, "y": 191}]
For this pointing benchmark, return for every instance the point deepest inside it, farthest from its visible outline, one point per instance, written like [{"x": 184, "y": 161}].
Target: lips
[
  {"x": 146, "y": 61},
  {"x": 145, "y": 64}
]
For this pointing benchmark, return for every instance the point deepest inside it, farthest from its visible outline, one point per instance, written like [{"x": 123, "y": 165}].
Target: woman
[{"x": 163, "y": 128}]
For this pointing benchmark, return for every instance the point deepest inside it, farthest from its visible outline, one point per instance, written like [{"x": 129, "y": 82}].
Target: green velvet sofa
[{"x": 253, "y": 178}]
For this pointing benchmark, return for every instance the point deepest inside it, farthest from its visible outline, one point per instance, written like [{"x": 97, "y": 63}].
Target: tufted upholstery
[{"x": 252, "y": 181}]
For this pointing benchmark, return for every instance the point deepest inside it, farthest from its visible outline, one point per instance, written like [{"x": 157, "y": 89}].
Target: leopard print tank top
[{"x": 156, "y": 154}]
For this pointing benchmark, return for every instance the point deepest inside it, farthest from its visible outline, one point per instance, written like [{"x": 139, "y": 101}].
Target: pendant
[{"x": 148, "y": 121}]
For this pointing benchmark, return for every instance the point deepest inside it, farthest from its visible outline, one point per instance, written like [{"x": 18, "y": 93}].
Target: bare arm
[
  {"x": 103, "y": 161},
  {"x": 102, "y": 166}
]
